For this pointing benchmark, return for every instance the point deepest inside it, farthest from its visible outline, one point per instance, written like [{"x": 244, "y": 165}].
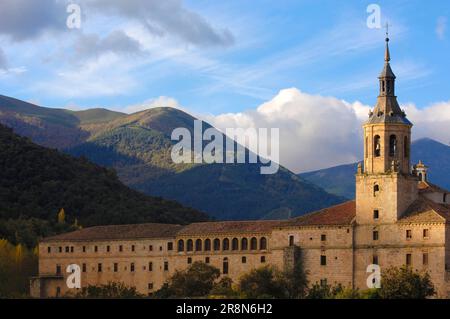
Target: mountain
[
  {"x": 138, "y": 147},
  {"x": 36, "y": 182},
  {"x": 340, "y": 180}
]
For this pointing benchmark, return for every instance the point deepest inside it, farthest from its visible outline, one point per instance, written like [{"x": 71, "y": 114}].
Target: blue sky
[
  {"x": 306, "y": 67},
  {"x": 319, "y": 47}
]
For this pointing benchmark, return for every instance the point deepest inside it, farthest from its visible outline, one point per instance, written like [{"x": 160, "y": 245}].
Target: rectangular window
[
  {"x": 170, "y": 246},
  {"x": 108, "y": 249},
  {"x": 132, "y": 248},
  {"x": 166, "y": 266},
  {"x": 425, "y": 259},
  {"x": 84, "y": 249},
  {"x": 323, "y": 260},
  {"x": 426, "y": 233},
  {"x": 291, "y": 240},
  {"x": 49, "y": 249},
  {"x": 408, "y": 259},
  {"x": 244, "y": 259},
  {"x": 150, "y": 248},
  {"x": 120, "y": 248},
  {"x": 67, "y": 249},
  {"x": 160, "y": 248},
  {"x": 375, "y": 235},
  {"x": 150, "y": 286},
  {"x": 263, "y": 259},
  {"x": 99, "y": 267},
  {"x": 323, "y": 237},
  {"x": 323, "y": 282},
  {"x": 58, "y": 269},
  {"x": 375, "y": 259},
  {"x": 376, "y": 214},
  {"x": 116, "y": 267},
  {"x": 60, "y": 249},
  {"x": 96, "y": 248},
  {"x": 132, "y": 267},
  {"x": 84, "y": 267},
  {"x": 408, "y": 234},
  {"x": 206, "y": 260},
  {"x": 150, "y": 266},
  {"x": 189, "y": 260},
  {"x": 72, "y": 249}
]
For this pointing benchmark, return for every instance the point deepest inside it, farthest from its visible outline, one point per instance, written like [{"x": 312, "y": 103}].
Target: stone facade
[{"x": 398, "y": 218}]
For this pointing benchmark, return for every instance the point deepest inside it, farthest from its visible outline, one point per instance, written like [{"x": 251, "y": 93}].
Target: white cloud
[
  {"x": 117, "y": 42},
  {"x": 162, "y": 101},
  {"x": 167, "y": 18},
  {"x": 318, "y": 132},
  {"x": 441, "y": 27},
  {"x": 315, "y": 131}
]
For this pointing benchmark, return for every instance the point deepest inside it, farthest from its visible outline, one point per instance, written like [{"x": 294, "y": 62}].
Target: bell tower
[{"x": 385, "y": 186}]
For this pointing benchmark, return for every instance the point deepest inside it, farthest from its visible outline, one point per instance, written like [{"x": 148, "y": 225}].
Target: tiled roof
[
  {"x": 229, "y": 227},
  {"x": 115, "y": 232},
  {"x": 424, "y": 210},
  {"x": 429, "y": 187},
  {"x": 341, "y": 214}
]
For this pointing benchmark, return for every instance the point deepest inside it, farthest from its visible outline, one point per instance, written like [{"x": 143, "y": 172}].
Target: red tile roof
[
  {"x": 341, "y": 214},
  {"x": 429, "y": 187},
  {"x": 425, "y": 210},
  {"x": 116, "y": 232}
]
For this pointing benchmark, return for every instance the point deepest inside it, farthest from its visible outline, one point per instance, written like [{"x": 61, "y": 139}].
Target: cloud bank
[
  {"x": 318, "y": 132},
  {"x": 168, "y": 17}
]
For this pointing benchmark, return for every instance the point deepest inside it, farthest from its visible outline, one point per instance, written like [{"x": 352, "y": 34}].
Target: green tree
[
  {"x": 111, "y": 290},
  {"x": 294, "y": 279},
  {"x": 224, "y": 288},
  {"x": 404, "y": 283},
  {"x": 264, "y": 282},
  {"x": 196, "y": 281}
]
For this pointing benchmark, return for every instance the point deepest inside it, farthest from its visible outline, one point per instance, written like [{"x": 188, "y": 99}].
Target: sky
[{"x": 298, "y": 65}]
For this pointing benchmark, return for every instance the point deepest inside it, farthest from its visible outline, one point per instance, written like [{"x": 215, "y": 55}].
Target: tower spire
[{"x": 387, "y": 56}]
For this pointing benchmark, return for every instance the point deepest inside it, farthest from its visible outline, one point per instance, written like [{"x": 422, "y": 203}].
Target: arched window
[
  {"x": 263, "y": 243},
  {"x": 366, "y": 150},
  {"x": 376, "y": 146},
  {"x": 198, "y": 245},
  {"x": 393, "y": 145},
  {"x": 181, "y": 245},
  {"x": 444, "y": 199},
  {"x": 225, "y": 266},
  {"x": 253, "y": 243},
  {"x": 244, "y": 244},
  {"x": 189, "y": 245},
  {"x": 217, "y": 244},
  {"x": 207, "y": 244},
  {"x": 226, "y": 244},
  {"x": 406, "y": 147},
  {"x": 376, "y": 189},
  {"x": 235, "y": 244}
]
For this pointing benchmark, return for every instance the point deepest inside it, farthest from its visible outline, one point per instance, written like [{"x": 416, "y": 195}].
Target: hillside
[
  {"x": 36, "y": 182},
  {"x": 138, "y": 147},
  {"x": 340, "y": 180}
]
